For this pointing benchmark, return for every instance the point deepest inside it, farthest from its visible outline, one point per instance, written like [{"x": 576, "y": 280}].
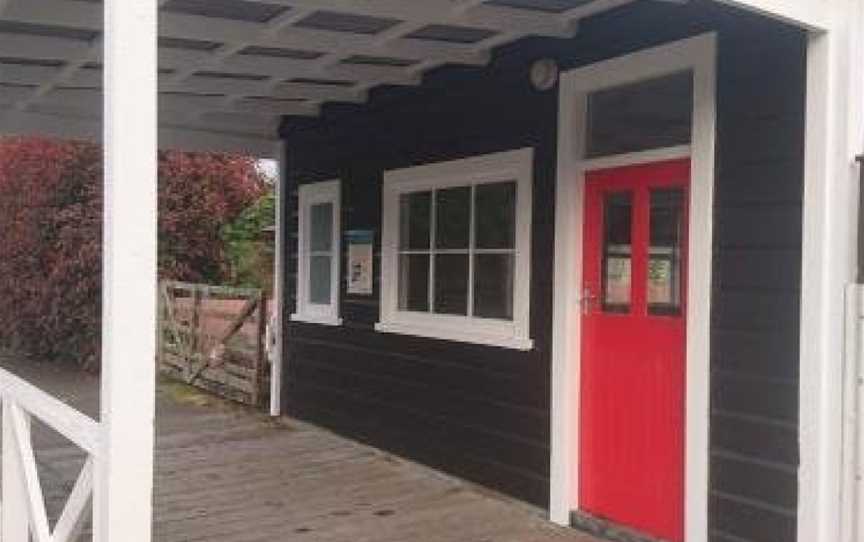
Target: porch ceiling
[{"x": 236, "y": 66}]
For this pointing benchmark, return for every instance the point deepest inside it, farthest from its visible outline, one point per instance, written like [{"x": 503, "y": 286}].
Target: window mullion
[
  {"x": 433, "y": 226},
  {"x": 471, "y": 242}
]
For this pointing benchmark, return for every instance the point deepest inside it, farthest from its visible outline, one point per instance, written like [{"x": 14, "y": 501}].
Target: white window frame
[
  {"x": 698, "y": 54},
  {"x": 514, "y": 165},
  {"x": 309, "y": 195}
]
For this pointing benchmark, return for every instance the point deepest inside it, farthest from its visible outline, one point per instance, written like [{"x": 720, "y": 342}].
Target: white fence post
[
  {"x": 15, "y": 524},
  {"x": 124, "y": 483}
]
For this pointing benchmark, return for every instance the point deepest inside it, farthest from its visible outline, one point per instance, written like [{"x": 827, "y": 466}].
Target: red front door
[{"x": 633, "y": 347}]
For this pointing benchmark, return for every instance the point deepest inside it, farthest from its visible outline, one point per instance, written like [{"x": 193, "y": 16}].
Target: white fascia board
[{"x": 815, "y": 15}]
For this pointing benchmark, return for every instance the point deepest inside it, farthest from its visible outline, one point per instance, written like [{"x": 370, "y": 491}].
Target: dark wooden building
[{"x": 484, "y": 408}]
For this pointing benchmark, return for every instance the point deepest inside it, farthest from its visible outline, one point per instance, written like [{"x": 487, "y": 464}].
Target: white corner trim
[
  {"x": 516, "y": 165},
  {"x": 277, "y": 362},
  {"x": 699, "y": 55},
  {"x": 833, "y": 135},
  {"x": 310, "y": 195}
]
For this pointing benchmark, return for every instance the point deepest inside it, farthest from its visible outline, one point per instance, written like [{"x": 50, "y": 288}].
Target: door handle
[{"x": 588, "y": 297}]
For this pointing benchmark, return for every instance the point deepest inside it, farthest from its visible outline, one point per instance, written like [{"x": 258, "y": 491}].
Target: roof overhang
[{"x": 231, "y": 69}]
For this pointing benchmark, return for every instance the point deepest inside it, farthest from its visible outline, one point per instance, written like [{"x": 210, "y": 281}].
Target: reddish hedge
[{"x": 51, "y": 228}]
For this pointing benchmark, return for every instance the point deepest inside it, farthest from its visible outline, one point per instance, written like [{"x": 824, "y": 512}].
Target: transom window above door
[
  {"x": 456, "y": 250},
  {"x": 652, "y": 114}
]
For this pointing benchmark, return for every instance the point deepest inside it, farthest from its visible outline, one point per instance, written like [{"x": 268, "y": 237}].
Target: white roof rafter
[{"x": 228, "y": 70}]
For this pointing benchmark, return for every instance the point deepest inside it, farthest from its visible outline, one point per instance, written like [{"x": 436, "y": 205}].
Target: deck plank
[{"x": 227, "y": 474}]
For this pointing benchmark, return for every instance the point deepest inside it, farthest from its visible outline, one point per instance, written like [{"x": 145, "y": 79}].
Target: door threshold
[{"x": 607, "y": 530}]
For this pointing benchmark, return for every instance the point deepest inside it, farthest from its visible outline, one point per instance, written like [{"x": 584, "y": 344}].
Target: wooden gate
[{"x": 213, "y": 337}]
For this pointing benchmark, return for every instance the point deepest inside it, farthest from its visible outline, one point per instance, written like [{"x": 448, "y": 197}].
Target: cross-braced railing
[{"x": 24, "y": 517}]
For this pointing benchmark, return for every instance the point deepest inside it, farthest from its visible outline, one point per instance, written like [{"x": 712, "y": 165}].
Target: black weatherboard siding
[{"x": 482, "y": 412}]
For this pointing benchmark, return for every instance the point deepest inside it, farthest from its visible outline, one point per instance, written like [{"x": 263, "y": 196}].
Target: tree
[
  {"x": 249, "y": 248},
  {"x": 51, "y": 236}
]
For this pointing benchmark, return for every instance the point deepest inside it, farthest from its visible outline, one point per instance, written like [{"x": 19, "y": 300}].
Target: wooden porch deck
[{"x": 225, "y": 473}]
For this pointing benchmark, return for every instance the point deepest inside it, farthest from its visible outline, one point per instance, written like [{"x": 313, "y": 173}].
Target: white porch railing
[{"x": 23, "y": 504}]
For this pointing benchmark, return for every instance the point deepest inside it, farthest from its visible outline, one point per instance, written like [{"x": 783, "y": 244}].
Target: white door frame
[{"x": 698, "y": 54}]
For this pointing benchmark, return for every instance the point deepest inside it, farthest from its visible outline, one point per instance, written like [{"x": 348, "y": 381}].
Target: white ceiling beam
[
  {"x": 89, "y": 100},
  {"x": 261, "y": 145},
  {"x": 86, "y": 16},
  {"x": 229, "y": 97},
  {"x": 40, "y": 47},
  {"x": 26, "y": 75},
  {"x": 428, "y": 12},
  {"x": 322, "y": 93}
]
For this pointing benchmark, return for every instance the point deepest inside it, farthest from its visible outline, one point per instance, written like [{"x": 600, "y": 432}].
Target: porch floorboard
[{"x": 225, "y": 473}]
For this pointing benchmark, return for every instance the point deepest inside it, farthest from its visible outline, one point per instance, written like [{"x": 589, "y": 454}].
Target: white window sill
[
  {"x": 321, "y": 320},
  {"x": 457, "y": 335}
]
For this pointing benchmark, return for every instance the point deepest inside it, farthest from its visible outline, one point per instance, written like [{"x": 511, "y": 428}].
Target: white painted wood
[
  {"x": 20, "y": 421},
  {"x": 15, "y": 523},
  {"x": 506, "y": 23},
  {"x": 636, "y": 158},
  {"x": 310, "y": 195},
  {"x": 514, "y": 165},
  {"x": 834, "y": 135},
  {"x": 697, "y": 54},
  {"x": 123, "y": 491},
  {"x": 71, "y": 521},
  {"x": 809, "y": 14},
  {"x": 278, "y": 360},
  {"x": 853, "y": 425},
  {"x": 70, "y": 423}
]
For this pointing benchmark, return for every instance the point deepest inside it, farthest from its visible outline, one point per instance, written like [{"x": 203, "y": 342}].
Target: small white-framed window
[
  {"x": 456, "y": 250},
  {"x": 318, "y": 251}
]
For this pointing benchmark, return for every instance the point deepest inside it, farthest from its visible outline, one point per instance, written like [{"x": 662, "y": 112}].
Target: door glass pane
[
  {"x": 321, "y": 227},
  {"x": 493, "y": 286},
  {"x": 451, "y": 284},
  {"x": 414, "y": 282},
  {"x": 319, "y": 280},
  {"x": 664, "y": 266},
  {"x": 453, "y": 217},
  {"x": 617, "y": 252},
  {"x": 496, "y": 215},
  {"x": 646, "y": 115},
  {"x": 415, "y": 212}
]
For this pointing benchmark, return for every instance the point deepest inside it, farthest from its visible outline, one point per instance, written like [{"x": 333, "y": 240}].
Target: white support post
[
  {"x": 124, "y": 484},
  {"x": 15, "y": 514},
  {"x": 834, "y": 135},
  {"x": 277, "y": 363}
]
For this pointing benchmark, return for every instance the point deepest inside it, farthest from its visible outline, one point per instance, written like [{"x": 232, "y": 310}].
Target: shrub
[{"x": 51, "y": 236}]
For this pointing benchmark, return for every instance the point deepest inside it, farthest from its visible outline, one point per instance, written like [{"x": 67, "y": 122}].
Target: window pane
[
  {"x": 646, "y": 115},
  {"x": 493, "y": 286},
  {"x": 319, "y": 280},
  {"x": 451, "y": 284},
  {"x": 414, "y": 282},
  {"x": 321, "y": 227},
  {"x": 415, "y": 219},
  {"x": 496, "y": 215},
  {"x": 617, "y": 252},
  {"x": 453, "y": 217},
  {"x": 664, "y": 267}
]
